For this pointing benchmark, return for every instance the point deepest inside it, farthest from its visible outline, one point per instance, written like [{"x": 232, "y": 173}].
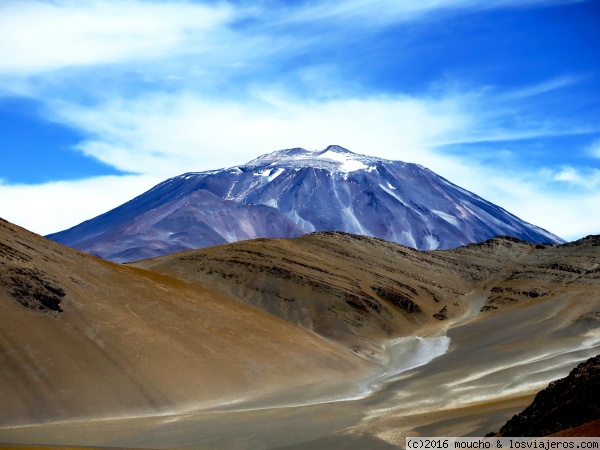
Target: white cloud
[
  {"x": 167, "y": 134},
  {"x": 367, "y": 12},
  {"x": 568, "y": 174},
  {"x": 45, "y": 35},
  {"x": 51, "y": 207},
  {"x": 594, "y": 149},
  {"x": 537, "y": 197},
  {"x": 541, "y": 88},
  {"x": 38, "y": 35},
  {"x": 588, "y": 178}
]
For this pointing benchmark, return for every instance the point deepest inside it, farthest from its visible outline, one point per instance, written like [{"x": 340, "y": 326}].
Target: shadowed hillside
[{"x": 81, "y": 337}]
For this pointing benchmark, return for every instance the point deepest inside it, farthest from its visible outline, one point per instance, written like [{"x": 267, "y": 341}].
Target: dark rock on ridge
[
  {"x": 592, "y": 239},
  {"x": 566, "y": 403},
  {"x": 30, "y": 286}
]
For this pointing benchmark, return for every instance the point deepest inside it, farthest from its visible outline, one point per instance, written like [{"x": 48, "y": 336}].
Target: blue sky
[{"x": 100, "y": 100}]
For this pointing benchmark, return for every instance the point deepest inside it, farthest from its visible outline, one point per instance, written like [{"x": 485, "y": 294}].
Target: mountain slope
[
  {"x": 359, "y": 291},
  {"x": 295, "y": 191},
  {"x": 516, "y": 316},
  {"x": 189, "y": 222},
  {"x": 362, "y": 291},
  {"x": 84, "y": 338}
]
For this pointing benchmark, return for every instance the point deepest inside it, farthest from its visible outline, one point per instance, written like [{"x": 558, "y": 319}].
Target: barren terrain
[
  {"x": 82, "y": 338},
  {"x": 329, "y": 340}
]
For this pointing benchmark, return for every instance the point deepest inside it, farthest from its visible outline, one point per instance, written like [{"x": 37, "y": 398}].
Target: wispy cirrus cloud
[
  {"x": 593, "y": 149},
  {"x": 585, "y": 178},
  {"x": 542, "y": 88},
  {"x": 39, "y": 36},
  {"x": 42, "y": 35},
  {"x": 167, "y": 133},
  {"x": 383, "y": 12}
]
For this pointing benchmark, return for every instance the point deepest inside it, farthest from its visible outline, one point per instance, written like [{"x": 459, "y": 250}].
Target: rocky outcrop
[
  {"x": 566, "y": 403},
  {"x": 33, "y": 288}
]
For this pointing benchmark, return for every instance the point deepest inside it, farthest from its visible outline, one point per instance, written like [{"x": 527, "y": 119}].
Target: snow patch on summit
[{"x": 348, "y": 164}]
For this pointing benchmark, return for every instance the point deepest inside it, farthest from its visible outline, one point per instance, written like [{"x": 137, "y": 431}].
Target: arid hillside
[
  {"x": 84, "y": 338},
  {"x": 329, "y": 340},
  {"x": 364, "y": 291},
  {"x": 352, "y": 289}
]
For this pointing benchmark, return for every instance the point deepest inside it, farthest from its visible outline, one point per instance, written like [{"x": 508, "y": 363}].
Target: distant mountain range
[{"x": 291, "y": 192}]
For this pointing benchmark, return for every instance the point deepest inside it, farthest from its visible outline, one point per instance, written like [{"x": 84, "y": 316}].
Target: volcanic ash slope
[{"x": 84, "y": 338}]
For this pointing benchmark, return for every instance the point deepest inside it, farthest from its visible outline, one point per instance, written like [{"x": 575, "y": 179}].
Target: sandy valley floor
[{"x": 439, "y": 398}]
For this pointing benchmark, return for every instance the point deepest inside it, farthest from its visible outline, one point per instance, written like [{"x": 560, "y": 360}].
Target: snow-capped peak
[
  {"x": 334, "y": 158},
  {"x": 290, "y": 192}
]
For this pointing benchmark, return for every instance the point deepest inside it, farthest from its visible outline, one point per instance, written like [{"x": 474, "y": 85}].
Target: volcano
[{"x": 292, "y": 192}]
